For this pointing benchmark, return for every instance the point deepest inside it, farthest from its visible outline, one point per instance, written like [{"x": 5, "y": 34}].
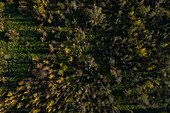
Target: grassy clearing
[{"x": 20, "y": 51}]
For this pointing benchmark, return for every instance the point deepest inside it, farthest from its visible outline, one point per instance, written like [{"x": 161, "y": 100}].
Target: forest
[{"x": 84, "y": 56}]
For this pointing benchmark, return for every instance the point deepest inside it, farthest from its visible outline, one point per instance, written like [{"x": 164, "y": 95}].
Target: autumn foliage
[{"x": 101, "y": 55}]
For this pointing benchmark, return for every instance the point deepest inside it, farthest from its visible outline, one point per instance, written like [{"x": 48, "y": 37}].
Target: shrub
[
  {"x": 39, "y": 9},
  {"x": 2, "y": 7},
  {"x": 23, "y": 7},
  {"x": 10, "y": 1},
  {"x": 1, "y": 26},
  {"x": 12, "y": 35}
]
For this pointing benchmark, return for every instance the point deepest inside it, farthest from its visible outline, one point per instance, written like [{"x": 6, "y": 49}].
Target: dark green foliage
[{"x": 100, "y": 57}]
